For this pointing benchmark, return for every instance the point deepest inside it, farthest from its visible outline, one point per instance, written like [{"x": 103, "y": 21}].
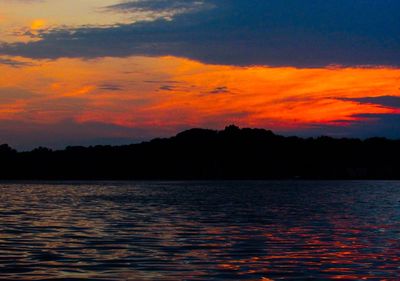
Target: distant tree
[
  {"x": 6, "y": 149},
  {"x": 232, "y": 153}
]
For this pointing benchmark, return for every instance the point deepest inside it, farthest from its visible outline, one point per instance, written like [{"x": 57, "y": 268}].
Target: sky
[{"x": 87, "y": 72}]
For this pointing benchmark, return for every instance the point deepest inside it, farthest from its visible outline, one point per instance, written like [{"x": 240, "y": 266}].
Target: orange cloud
[
  {"x": 84, "y": 90},
  {"x": 175, "y": 92}
]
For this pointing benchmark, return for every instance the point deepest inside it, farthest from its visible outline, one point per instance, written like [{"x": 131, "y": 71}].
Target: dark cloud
[
  {"x": 365, "y": 126},
  {"x": 167, "y": 88},
  {"x": 110, "y": 87},
  {"x": 258, "y": 32},
  {"x": 387, "y": 101},
  {"x": 219, "y": 90}
]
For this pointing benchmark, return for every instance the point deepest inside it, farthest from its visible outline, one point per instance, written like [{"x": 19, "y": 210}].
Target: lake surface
[{"x": 200, "y": 231}]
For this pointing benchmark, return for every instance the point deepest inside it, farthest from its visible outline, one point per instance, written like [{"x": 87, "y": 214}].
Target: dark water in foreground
[{"x": 200, "y": 231}]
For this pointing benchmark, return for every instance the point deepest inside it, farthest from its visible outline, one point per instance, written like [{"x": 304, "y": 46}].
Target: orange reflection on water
[
  {"x": 297, "y": 247},
  {"x": 156, "y": 231}
]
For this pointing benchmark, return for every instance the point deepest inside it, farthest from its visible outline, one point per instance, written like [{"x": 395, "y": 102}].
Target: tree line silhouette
[{"x": 232, "y": 153}]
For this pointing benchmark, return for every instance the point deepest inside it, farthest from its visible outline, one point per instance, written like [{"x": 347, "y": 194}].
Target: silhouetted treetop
[{"x": 232, "y": 153}]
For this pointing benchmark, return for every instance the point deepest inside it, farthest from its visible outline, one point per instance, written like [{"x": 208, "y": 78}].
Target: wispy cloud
[
  {"x": 15, "y": 63},
  {"x": 220, "y": 90},
  {"x": 110, "y": 87},
  {"x": 165, "y": 9}
]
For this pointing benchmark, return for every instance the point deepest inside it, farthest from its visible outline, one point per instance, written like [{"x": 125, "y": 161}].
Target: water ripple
[{"x": 200, "y": 231}]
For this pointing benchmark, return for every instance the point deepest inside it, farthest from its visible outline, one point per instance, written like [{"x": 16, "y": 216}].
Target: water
[{"x": 200, "y": 231}]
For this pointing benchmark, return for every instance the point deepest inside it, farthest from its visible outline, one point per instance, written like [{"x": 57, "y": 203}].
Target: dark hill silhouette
[{"x": 206, "y": 154}]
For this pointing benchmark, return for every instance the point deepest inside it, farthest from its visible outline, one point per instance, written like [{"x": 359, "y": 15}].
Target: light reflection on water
[{"x": 200, "y": 231}]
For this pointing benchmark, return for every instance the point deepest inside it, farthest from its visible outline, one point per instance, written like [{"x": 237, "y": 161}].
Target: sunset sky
[{"x": 83, "y": 72}]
